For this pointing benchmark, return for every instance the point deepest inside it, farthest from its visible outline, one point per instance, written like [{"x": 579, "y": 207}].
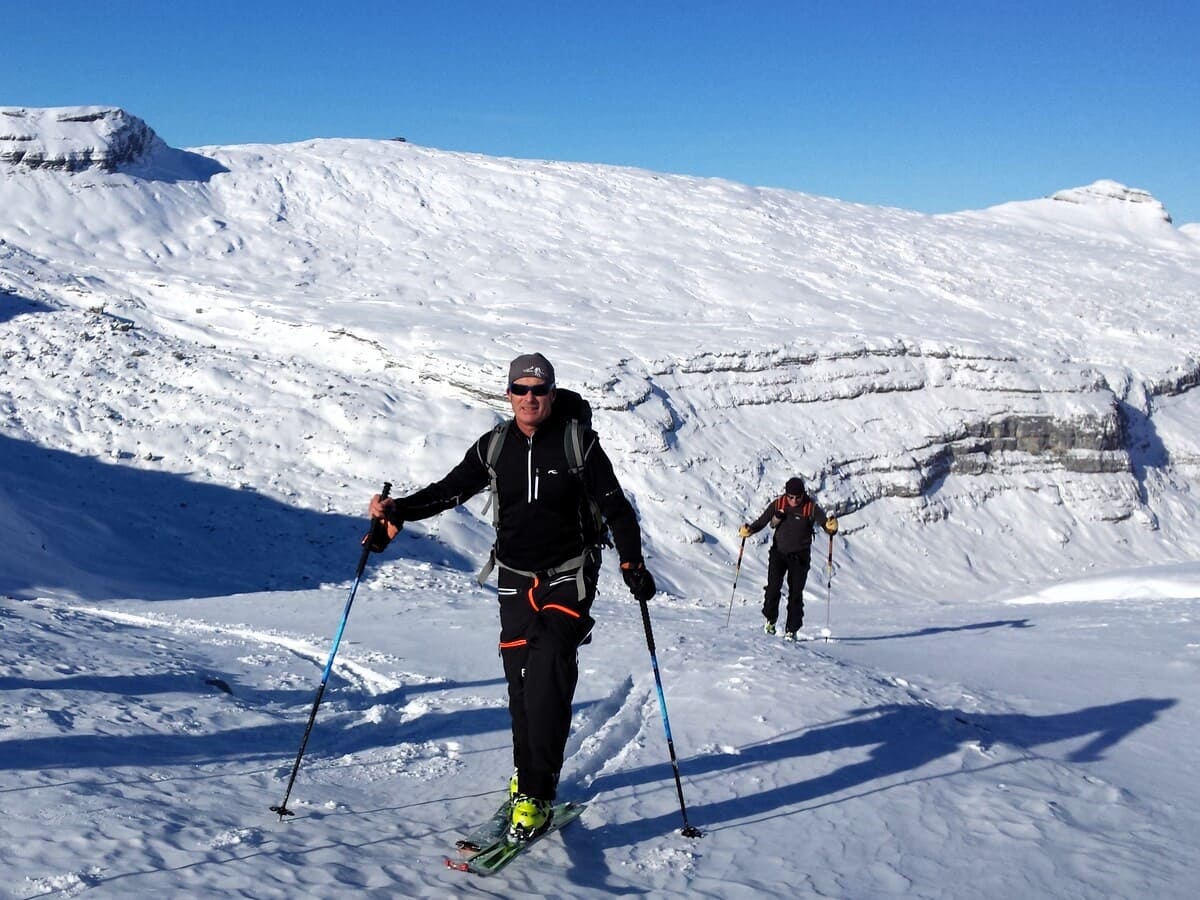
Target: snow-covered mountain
[
  {"x": 211, "y": 357},
  {"x": 1027, "y": 362}
]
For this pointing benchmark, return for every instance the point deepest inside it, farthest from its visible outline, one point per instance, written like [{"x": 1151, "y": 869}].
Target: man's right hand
[
  {"x": 380, "y": 508},
  {"x": 744, "y": 531},
  {"x": 384, "y": 525}
]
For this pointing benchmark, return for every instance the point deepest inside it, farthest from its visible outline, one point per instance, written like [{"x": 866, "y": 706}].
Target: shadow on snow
[
  {"x": 100, "y": 530},
  {"x": 938, "y": 629},
  {"x": 13, "y": 305},
  {"x": 340, "y": 730},
  {"x": 903, "y": 738},
  {"x": 173, "y": 166},
  {"x": 1146, "y": 449}
]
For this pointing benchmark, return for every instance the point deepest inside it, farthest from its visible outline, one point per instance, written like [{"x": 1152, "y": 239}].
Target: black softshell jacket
[
  {"x": 542, "y": 505},
  {"x": 794, "y": 525}
]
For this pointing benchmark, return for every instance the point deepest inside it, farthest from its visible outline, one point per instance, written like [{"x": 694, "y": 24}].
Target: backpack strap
[
  {"x": 573, "y": 437},
  {"x": 494, "y": 446},
  {"x": 573, "y": 444}
]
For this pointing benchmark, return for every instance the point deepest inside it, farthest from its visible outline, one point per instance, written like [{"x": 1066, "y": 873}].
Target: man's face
[{"x": 532, "y": 407}]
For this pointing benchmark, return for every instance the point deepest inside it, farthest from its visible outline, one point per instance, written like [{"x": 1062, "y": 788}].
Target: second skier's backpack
[{"x": 806, "y": 508}]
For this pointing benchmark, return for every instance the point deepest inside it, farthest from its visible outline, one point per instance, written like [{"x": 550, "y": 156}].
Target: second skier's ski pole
[
  {"x": 736, "y": 569},
  {"x": 337, "y": 639},
  {"x": 688, "y": 830},
  {"x": 828, "y": 587}
]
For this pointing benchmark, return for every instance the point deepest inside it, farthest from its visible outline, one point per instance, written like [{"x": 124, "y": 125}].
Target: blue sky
[{"x": 933, "y": 105}]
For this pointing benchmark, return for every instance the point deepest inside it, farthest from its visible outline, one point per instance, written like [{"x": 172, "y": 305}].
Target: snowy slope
[
  {"x": 212, "y": 357},
  {"x": 916, "y": 754}
]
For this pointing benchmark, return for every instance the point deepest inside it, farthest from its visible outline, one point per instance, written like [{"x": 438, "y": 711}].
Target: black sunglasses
[{"x": 538, "y": 390}]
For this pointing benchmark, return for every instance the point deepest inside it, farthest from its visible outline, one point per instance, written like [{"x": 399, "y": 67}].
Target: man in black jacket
[
  {"x": 793, "y": 516},
  {"x": 548, "y": 561}
]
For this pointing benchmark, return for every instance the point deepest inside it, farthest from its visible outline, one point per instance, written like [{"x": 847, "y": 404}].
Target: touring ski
[
  {"x": 500, "y": 851},
  {"x": 489, "y": 832}
]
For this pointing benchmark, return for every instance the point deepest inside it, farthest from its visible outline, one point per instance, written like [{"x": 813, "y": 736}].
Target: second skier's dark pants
[
  {"x": 795, "y": 567},
  {"x": 542, "y": 623}
]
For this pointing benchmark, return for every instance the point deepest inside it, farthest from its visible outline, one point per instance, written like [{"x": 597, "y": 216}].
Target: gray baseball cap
[{"x": 531, "y": 365}]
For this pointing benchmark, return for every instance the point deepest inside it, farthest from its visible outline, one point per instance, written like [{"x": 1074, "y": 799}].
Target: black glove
[{"x": 639, "y": 581}]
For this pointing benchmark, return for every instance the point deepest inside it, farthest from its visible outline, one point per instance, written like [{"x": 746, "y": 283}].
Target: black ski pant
[
  {"x": 793, "y": 566},
  {"x": 543, "y": 620}
]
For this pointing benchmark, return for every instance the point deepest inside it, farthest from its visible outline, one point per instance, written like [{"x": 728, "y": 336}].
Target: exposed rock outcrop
[
  {"x": 906, "y": 417},
  {"x": 74, "y": 138},
  {"x": 1106, "y": 192}
]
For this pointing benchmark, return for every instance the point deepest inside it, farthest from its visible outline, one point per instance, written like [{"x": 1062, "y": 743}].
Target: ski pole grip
[
  {"x": 375, "y": 531},
  {"x": 376, "y": 524},
  {"x": 383, "y": 495}
]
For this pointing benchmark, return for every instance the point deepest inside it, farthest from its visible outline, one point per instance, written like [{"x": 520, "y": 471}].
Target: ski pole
[
  {"x": 828, "y": 586},
  {"x": 688, "y": 830},
  {"x": 337, "y": 639},
  {"x": 736, "y": 570}
]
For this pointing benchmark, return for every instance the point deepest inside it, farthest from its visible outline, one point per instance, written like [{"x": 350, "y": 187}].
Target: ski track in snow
[{"x": 367, "y": 680}]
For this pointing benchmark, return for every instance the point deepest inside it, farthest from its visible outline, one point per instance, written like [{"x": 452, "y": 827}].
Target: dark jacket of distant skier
[
  {"x": 547, "y": 549},
  {"x": 794, "y": 515}
]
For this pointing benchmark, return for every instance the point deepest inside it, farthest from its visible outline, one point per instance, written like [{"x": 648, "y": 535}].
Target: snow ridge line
[{"x": 369, "y": 680}]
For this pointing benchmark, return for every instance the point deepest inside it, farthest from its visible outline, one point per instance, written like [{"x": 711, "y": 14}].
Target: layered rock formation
[{"x": 73, "y": 138}]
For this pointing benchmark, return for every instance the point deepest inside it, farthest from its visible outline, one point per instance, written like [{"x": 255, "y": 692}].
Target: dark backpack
[{"x": 578, "y": 414}]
